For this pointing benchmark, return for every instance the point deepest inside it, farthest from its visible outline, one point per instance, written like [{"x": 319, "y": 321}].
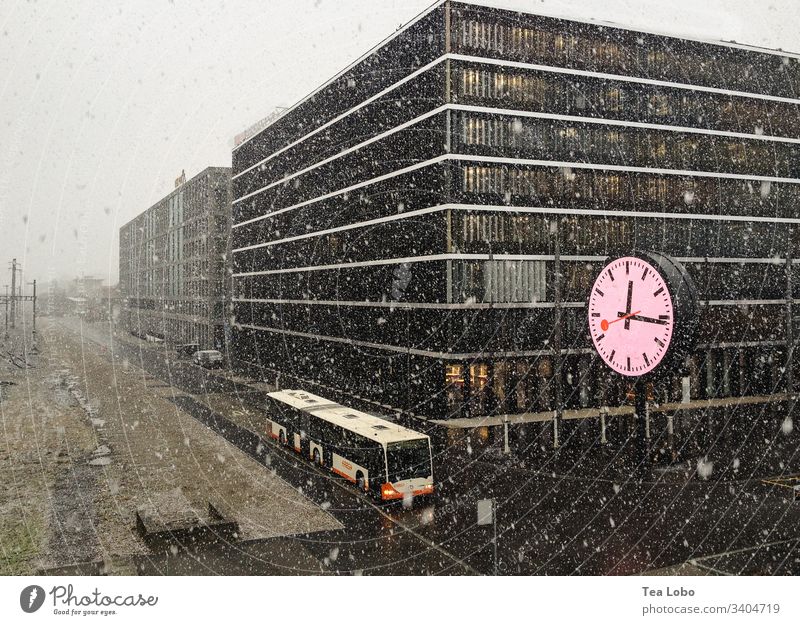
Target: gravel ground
[
  {"x": 89, "y": 438},
  {"x": 44, "y": 441}
]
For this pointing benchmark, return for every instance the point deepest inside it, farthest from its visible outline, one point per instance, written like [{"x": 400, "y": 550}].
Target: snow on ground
[{"x": 89, "y": 438}]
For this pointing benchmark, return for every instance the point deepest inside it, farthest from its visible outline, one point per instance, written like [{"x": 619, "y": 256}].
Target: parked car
[{"x": 208, "y": 358}]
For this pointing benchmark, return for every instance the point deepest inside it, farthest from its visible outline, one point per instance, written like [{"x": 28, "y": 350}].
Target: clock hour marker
[
  {"x": 663, "y": 316},
  {"x": 611, "y": 357},
  {"x": 659, "y": 292},
  {"x": 611, "y": 275},
  {"x": 600, "y": 292},
  {"x": 644, "y": 275},
  {"x": 629, "y": 363},
  {"x": 600, "y": 338},
  {"x": 646, "y": 359},
  {"x": 627, "y": 267},
  {"x": 659, "y": 341},
  {"x": 595, "y": 314}
]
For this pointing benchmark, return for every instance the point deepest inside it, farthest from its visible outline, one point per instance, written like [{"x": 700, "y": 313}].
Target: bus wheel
[
  {"x": 282, "y": 437},
  {"x": 360, "y": 481},
  {"x": 317, "y": 459}
]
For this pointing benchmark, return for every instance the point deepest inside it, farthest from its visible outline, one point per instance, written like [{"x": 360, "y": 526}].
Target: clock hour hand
[
  {"x": 628, "y": 305},
  {"x": 662, "y": 322}
]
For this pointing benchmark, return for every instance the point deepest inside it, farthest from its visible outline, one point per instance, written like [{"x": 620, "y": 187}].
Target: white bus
[{"x": 387, "y": 460}]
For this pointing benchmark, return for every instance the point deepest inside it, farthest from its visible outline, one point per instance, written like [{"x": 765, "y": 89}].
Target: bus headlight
[{"x": 390, "y": 492}]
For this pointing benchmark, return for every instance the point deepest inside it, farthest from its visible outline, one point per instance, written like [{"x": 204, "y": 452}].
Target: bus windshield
[{"x": 408, "y": 459}]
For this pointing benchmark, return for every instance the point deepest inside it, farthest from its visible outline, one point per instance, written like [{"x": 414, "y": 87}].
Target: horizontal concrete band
[{"x": 610, "y": 411}]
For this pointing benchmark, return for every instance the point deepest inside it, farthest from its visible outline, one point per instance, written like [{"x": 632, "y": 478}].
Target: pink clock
[{"x": 631, "y": 316}]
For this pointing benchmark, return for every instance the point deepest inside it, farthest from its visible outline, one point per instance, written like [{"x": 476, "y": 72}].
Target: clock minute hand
[
  {"x": 662, "y": 322},
  {"x": 628, "y": 305}
]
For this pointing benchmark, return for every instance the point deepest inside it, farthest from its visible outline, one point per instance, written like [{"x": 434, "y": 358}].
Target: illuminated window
[
  {"x": 656, "y": 60},
  {"x": 334, "y": 243},
  {"x": 516, "y": 39},
  {"x": 543, "y": 42},
  {"x": 609, "y": 186},
  {"x": 566, "y": 46},
  {"x": 736, "y": 152},
  {"x": 559, "y": 43},
  {"x": 687, "y": 149},
  {"x": 568, "y": 139},
  {"x": 656, "y": 190},
  {"x": 500, "y": 89},
  {"x": 469, "y": 179},
  {"x": 660, "y": 105},
  {"x": 515, "y": 88},
  {"x": 454, "y": 374},
  {"x": 658, "y": 149},
  {"x": 479, "y": 375},
  {"x": 535, "y": 89},
  {"x": 469, "y": 82},
  {"x": 610, "y": 53},
  {"x": 613, "y": 100}
]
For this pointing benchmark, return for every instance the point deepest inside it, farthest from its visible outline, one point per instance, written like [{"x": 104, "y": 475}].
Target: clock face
[{"x": 631, "y": 316}]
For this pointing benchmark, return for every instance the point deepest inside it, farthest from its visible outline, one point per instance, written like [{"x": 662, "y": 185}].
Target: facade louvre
[
  {"x": 172, "y": 264},
  {"x": 394, "y": 233}
]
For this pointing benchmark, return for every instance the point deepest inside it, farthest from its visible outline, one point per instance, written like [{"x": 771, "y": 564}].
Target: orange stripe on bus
[{"x": 344, "y": 475}]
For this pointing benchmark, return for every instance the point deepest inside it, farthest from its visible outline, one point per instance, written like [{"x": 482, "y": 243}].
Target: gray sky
[{"x": 102, "y": 103}]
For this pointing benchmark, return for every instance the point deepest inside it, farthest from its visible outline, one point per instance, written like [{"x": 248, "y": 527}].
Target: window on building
[
  {"x": 500, "y": 281},
  {"x": 660, "y": 105}
]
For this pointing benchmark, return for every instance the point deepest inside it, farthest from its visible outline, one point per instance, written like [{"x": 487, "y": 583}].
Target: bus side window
[
  {"x": 302, "y": 422},
  {"x": 330, "y": 435},
  {"x": 355, "y": 449},
  {"x": 322, "y": 431},
  {"x": 338, "y": 438},
  {"x": 282, "y": 417},
  {"x": 313, "y": 429},
  {"x": 376, "y": 464},
  {"x": 351, "y": 446}
]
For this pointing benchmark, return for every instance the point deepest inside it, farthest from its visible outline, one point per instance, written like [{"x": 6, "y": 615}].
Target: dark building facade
[
  {"x": 173, "y": 261},
  {"x": 395, "y": 234}
]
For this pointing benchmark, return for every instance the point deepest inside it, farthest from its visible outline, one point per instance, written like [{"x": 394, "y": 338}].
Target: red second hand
[{"x": 605, "y": 322}]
